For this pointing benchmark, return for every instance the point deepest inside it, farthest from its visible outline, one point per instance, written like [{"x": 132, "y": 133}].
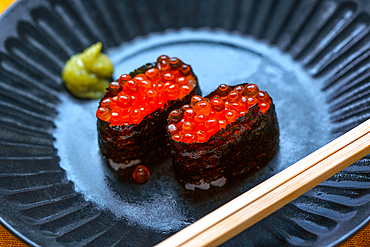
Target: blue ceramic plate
[{"x": 312, "y": 56}]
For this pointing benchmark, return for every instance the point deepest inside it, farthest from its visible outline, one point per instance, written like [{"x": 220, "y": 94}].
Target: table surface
[{"x": 361, "y": 239}]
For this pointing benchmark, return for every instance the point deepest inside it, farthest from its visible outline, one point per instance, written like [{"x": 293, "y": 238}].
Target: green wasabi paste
[{"x": 88, "y": 74}]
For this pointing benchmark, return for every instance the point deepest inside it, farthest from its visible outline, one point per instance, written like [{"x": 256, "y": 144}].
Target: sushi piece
[
  {"x": 132, "y": 116},
  {"x": 232, "y": 131}
]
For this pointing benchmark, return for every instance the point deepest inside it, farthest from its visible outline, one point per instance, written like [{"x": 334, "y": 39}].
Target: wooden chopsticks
[{"x": 270, "y": 195}]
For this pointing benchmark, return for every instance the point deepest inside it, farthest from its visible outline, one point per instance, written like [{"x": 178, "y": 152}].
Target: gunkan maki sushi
[
  {"x": 232, "y": 131},
  {"x": 132, "y": 115}
]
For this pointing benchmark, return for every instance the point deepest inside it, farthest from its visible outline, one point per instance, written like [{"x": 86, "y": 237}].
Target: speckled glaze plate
[{"x": 312, "y": 56}]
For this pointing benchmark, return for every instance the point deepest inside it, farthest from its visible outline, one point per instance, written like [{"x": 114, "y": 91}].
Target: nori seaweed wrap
[
  {"x": 238, "y": 147},
  {"x": 132, "y": 126}
]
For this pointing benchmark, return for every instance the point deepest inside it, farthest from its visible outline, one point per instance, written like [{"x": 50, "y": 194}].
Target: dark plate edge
[
  {"x": 345, "y": 238},
  {"x": 17, "y": 234}
]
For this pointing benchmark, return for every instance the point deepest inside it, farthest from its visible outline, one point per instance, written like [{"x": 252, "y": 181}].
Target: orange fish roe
[
  {"x": 141, "y": 174},
  {"x": 130, "y": 99},
  {"x": 201, "y": 119}
]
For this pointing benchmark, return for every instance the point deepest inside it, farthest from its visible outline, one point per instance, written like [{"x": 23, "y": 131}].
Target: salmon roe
[
  {"x": 201, "y": 119},
  {"x": 131, "y": 99},
  {"x": 141, "y": 174}
]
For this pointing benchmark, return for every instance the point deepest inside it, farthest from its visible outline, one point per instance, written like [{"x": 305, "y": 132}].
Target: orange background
[{"x": 362, "y": 239}]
